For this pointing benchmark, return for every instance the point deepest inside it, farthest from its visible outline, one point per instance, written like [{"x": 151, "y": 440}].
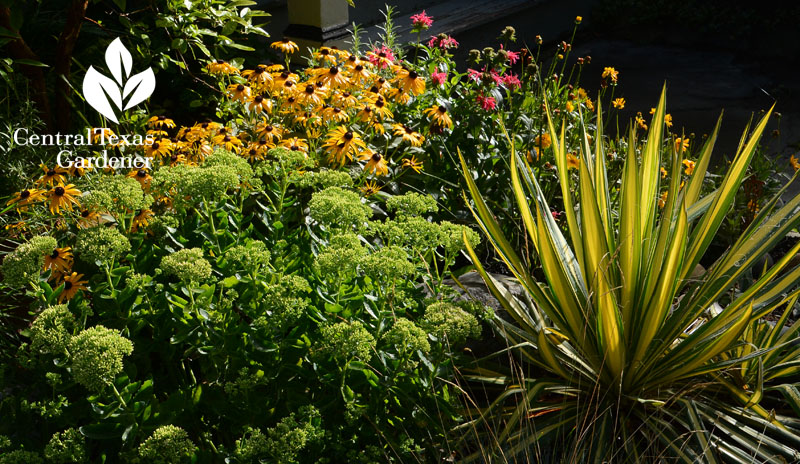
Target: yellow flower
[
  {"x": 663, "y": 172},
  {"x": 543, "y": 141},
  {"x": 619, "y": 103},
  {"x": 689, "y": 166},
  {"x": 570, "y": 107},
  {"x": 260, "y": 103},
  {"x": 341, "y": 144},
  {"x": 668, "y": 120},
  {"x": 681, "y": 144},
  {"x": 60, "y": 260},
  {"x": 239, "y": 92},
  {"x": 752, "y": 205},
  {"x": 295, "y": 144},
  {"x": 285, "y": 45},
  {"x": 268, "y": 131},
  {"x": 25, "y": 198},
  {"x": 221, "y": 67},
  {"x": 141, "y": 219},
  {"x": 63, "y": 196},
  {"x": 332, "y": 77},
  {"x": 612, "y": 73},
  {"x": 141, "y": 176},
  {"x": 54, "y": 175},
  {"x": 375, "y": 162},
  {"x": 794, "y": 162},
  {"x": 89, "y": 219},
  {"x": 413, "y": 163},
  {"x": 662, "y": 200},
  {"x": 229, "y": 142},
  {"x": 573, "y": 162},
  {"x": 578, "y": 19},
  {"x": 410, "y": 82},
  {"x": 334, "y": 114},
  {"x": 159, "y": 148},
  {"x": 408, "y": 135},
  {"x": 370, "y": 188},
  {"x": 310, "y": 94},
  {"x": 640, "y": 121},
  {"x": 259, "y": 76},
  {"x": 439, "y": 116},
  {"x": 159, "y": 122},
  {"x": 72, "y": 284},
  {"x": 325, "y": 56}
]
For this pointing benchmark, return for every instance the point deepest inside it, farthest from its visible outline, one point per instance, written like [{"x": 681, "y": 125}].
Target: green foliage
[
  {"x": 25, "y": 263},
  {"x": 67, "y": 447},
  {"x": 167, "y": 445}
]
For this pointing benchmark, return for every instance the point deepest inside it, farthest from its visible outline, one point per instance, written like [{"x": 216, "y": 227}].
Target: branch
[{"x": 19, "y": 50}]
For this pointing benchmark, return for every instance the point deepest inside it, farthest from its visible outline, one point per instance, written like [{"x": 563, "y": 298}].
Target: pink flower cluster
[
  {"x": 442, "y": 41},
  {"x": 439, "y": 78},
  {"x": 421, "y": 21},
  {"x": 509, "y": 80},
  {"x": 487, "y": 103},
  {"x": 381, "y": 57}
]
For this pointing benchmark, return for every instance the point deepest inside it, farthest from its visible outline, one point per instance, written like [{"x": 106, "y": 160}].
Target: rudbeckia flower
[
  {"x": 72, "y": 284},
  {"x": 239, "y": 92},
  {"x": 141, "y": 219},
  {"x": 439, "y": 116},
  {"x": 689, "y": 166},
  {"x": 334, "y": 114},
  {"x": 260, "y": 103},
  {"x": 382, "y": 109},
  {"x": 284, "y": 77},
  {"x": 252, "y": 153},
  {"x": 295, "y": 144},
  {"x": 413, "y": 163},
  {"x": 221, "y": 67},
  {"x": 332, "y": 77},
  {"x": 88, "y": 219},
  {"x": 290, "y": 105},
  {"x": 365, "y": 114},
  {"x": 285, "y": 45},
  {"x": 259, "y": 76},
  {"x": 410, "y": 81},
  {"x": 409, "y": 135},
  {"x": 228, "y": 142},
  {"x": 307, "y": 119},
  {"x": 268, "y": 131},
  {"x": 60, "y": 260},
  {"x": 341, "y": 144},
  {"x": 159, "y": 148},
  {"x": 160, "y": 122},
  {"x": 310, "y": 94},
  {"x": 345, "y": 100},
  {"x": 573, "y": 162},
  {"x": 375, "y": 162},
  {"x": 325, "y": 56},
  {"x": 63, "y": 196},
  {"x": 26, "y": 197},
  {"x": 370, "y": 188},
  {"x": 101, "y": 133},
  {"x": 381, "y": 57},
  {"x": 141, "y": 176},
  {"x": 54, "y": 175},
  {"x": 360, "y": 73}
]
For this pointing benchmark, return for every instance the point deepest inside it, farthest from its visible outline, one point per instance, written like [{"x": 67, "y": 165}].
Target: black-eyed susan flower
[
  {"x": 295, "y": 144},
  {"x": 334, "y": 114},
  {"x": 285, "y": 45},
  {"x": 228, "y": 142},
  {"x": 281, "y": 78},
  {"x": 159, "y": 148},
  {"x": 375, "y": 162},
  {"x": 260, "y": 103},
  {"x": 25, "y": 198},
  {"x": 307, "y": 119},
  {"x": 54, "y": 175},
  {"x": 310, "y": 94},
  {"x": 60, "y": 260},
  {"x": 160, "y": 122},
  {"x": 268, "y": 131},
  {"x": 239, "y": 92},
  {"x": 260, "y": 76},
  {"x": 370, "y": 188},
  {"x": 410, "y": 81},
  {"x": 365, "y": 114},
  {"x": 341, "y": 144},
  {"x": 345, "y": 100},
  {"x": 332, "y": 77},
  {"x": 141, "y": 219},
  {"x": 88, "y": 219},
  {"x": 63, "y": 196},
  {"x": 381, "y": 108},
  {"x": 72, "y": 285},
  {"x": 439, "y": 116},
  {"x": 142, "y": 176},
  {"x": 325, "y": 56},
  {"x": 573, "y": 162},
  {"x": 361, "y": 73},
  {"x": 221, "y": 67},
  {"x": 413, "y": 163},
  {"x": 252, "y": 153},
  {"x": 400, "y": 96},
  {"x": 290, "y": 105},
  {"x": 409, "y": 135}
]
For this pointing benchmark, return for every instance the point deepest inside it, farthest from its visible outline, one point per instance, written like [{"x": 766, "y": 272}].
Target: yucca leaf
[{"x": 696, "y": 182}]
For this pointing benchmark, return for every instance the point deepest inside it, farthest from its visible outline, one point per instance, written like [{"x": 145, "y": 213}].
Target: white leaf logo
[{"x": 101, "y": 91}]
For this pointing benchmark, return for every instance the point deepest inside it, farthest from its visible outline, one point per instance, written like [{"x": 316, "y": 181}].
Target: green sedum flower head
[
  {"x": 224, "y": 158},
  {"x": 407, "y": 336},
  {"x": 412, "y": 204},
  {"x": 51, "y": 332},
  {"x": 325, "y": 178},
  {"x": 345, "y": 341},
  {"x": 125, "y": 193},
  {"x": 101, "y": 244},
  {"x": 389, "y": 263},
  {"x": 21, "y": 457},
  {"x": 339, "y": 261},
  {"x": 67, "y": 447},
  {"x": 250, "y": 257},
  {"x": 446, "y": 320},
  {"x": 26, "y": 262},
  {"x": 188, "y": 265},
  {"x": 97, "y": 355},
  {"x": 339, "y": 208},
  {"x": 167, "y": 445}
]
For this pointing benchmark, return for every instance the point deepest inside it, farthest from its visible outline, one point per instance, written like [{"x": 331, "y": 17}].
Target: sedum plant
[{"x": 625, "y": 361}]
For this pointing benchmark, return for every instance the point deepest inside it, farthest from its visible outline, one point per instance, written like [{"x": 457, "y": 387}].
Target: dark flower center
[
  {"x": 295, "y": 148},
  {"x": 141, "y": 173},
  {"x": 379, "y": 103},
  {"x": 51, "y": 172},
  {"x": 290, "y": 100},
  {"x": 259, "y": 99},
  {"x": 24, "y": 194},
  {"x": 227, "y": 138},
  {"x": 324, "y": 52},
  {"x": 334, "y": 70},
  {"x": 382, "y": 54},
  {"x": 173, "y": 158},
  {"x": 239, "y": 88},
  {"x": 381, "y": 81},
  {"x": 310, "y": 89},
  {"x": 284, "y": 75},
  {"x": 376, "y": 157},
  {"x": 161, "y": 118},
  {"x": 285, "y": 40},
  {"x": 351, "y": 58},
  {"x": 85, "y": 213},
  {"x": 54, "y": 254},
  {"x": 373, "y": 89},
  {"x": 288, "y": 84},
  {"x": 220, "y": 61},
  {"x": 253, "y": 152},
  {"x": 155, "y": 145},
  {"x": 442, "y": 109},
  {"x": 359, "y": 68},
  {"x": 348, "y": 135},
  {"x": 59, "y": 191},
  {"x": 67, "y": 285},
  {"x": 268, "y": 128},
  {"x": 413, "y": 75},
  {"x": 337, "y": 110}
]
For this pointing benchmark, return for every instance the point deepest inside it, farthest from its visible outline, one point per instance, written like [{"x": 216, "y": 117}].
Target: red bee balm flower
[
  {"x": 487, "y": 103},
  {"x": 421, "y": 21}
]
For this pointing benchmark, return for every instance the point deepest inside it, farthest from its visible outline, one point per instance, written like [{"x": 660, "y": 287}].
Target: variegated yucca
[{"x": 625, "y": 361}]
